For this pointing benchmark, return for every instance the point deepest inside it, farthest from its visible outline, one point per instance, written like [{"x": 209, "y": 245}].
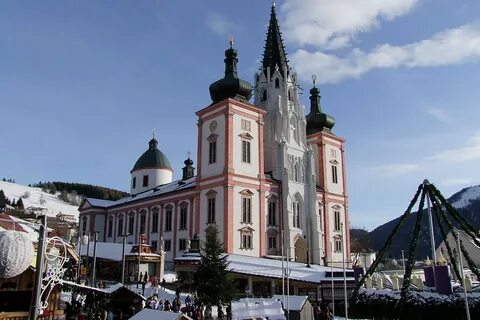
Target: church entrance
[{"x": 300, "y": 250}]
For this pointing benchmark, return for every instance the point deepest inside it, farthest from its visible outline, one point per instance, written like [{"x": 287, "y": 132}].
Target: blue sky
[{"x": 84, "y": 83}]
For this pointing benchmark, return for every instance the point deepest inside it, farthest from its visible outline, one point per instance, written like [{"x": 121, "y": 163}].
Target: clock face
[{"x": 213, "y": 126}]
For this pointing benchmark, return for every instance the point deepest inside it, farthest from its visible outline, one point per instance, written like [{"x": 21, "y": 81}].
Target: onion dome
[
  {"x": 152, "y": 158},
  {"x": 188, "y": 170},
  {"x": 231, "y": 86},
  {"x": 317, "y": 120}
]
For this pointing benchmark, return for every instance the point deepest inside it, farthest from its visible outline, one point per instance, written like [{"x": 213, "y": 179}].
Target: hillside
[
  {"x": 466, "y": 201},
  {"x": 35, "y": 197},
  {"x": 81, "y": 189}
]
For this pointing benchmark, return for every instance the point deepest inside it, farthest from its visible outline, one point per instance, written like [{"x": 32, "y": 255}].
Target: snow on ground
[
  {"x": 52, "y": 204},
  {"x": 472, "y": 193}
]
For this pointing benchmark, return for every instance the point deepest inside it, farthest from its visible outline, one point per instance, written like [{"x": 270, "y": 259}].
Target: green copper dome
[
  {"x": 317, "y": 120},
  {"x": 230, "y": 86},
  {"x": 152, "y": 158}
]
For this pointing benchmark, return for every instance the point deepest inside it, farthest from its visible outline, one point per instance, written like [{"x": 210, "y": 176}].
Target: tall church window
[
  {"x": 131, "y": 222},
  {"x": 296, "y": 213},
  {"x": 154, "y": 245},
  {"x": 84, "y": 224},
  {"x": 277, "y": 83},
  {"x": 168, "y": 218},
  {"x": 182, "y": 244},
  {"x": 337, "y": 220},
  {"x": 120, "y": 225},
  {"x": 211, "y": 197},
  {"x": 155, "y": 214},
  {"x": 167, "y": 245},
  {"x": 246, "y": 239},
  {"x": 246, "y": 209},
  {"x": 183, "y": 216},
  {"x": 212, "y": 152},
  {"x": 246, "y": 151},
  {"x": 272, "y": 242},
  {"x": 145, "y": 181},
  {"x": 338, "y": 244},
  {"x": 110, "y": 227},
  {"x": 272, "y": 213},
  {"x": 134, "y": 182},
  {"x": 334, "y": 174},
  {"x": 143, "y": 219},
  {"x": 264, "y": 95}
]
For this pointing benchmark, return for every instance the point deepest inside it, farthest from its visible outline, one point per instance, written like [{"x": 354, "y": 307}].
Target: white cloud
[
  {"x": 334, "y": 23},
  {"x": 452, "y": 46},
  {"x": 395, "y": 170},
  {"x": 471, "y": 151},
  {"x": 219, "y": 24},
  {"x": 439, "y": 114}
]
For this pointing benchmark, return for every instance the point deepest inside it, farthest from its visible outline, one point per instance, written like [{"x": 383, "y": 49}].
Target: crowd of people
[{"x": 191, "y": 307}]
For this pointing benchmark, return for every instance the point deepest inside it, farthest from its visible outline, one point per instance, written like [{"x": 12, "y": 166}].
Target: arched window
[
  {"x": 297, "y": 211},
  {"x": 120, "y": 225},
  {"x": 155, "y": 215},
  {"x": 143, "y": 221},
  {"x": 264, "y": 95},
  {"x": 131, "y": 222},
  {"x": 84, "y": 224},
  {"x": 277, "y": 83}
]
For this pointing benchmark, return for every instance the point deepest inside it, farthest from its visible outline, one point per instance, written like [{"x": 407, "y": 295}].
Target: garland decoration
[
  {"x": 437, "y": 210},
  {"x": 388, "y": 243},
  {"x": 407, "y": 281}
]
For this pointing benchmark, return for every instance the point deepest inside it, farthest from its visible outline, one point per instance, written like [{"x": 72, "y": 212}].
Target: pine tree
[
  {"x": 20, "y": 204},
  {"x": 3, "y": 201},
  {"x": 212, "y": 281}
]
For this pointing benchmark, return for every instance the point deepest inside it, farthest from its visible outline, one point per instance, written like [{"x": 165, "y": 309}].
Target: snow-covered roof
[
  {"x": 8, "y": 222},
  {"x": 150, "y": 314},
  {"x": 295, "y": 303},
  {"x": 100, "y": 202},
  {"x": 257, "y": 308},
  {"x": 271, "y": 268},
  {"x": 111, "y": 251},
  {"x": 165, "y": 188}
]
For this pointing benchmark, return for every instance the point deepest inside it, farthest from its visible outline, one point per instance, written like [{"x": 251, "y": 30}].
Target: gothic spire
[{"x": 274, "y": 54}]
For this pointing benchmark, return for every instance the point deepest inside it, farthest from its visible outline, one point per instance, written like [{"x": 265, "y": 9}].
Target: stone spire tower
[{"x": 287, "y": 157}]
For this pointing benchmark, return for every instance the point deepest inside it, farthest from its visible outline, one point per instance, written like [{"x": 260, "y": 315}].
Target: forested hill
[{"x": 81, "y": 189}]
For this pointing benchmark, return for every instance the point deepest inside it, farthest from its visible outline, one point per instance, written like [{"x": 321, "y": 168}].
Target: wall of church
[
  {"x": 156, "y": 177},
  {"x": 246, "y": 223},
  {"x": 213, "y": 130},
  {"x": 245, "y": 131}
]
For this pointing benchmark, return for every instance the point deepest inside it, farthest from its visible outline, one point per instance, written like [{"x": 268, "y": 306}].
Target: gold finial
[
  {"x": 188, "y": 154},
  {"x": 273, "y": 3},
  {"x": 230, "y": 40},
  {"x": 314, "y": 78}
]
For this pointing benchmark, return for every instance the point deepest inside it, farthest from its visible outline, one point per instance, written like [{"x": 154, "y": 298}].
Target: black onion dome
[
  {"x": 230, "y": 86},
  {"x": 317, "y": 120},
  {"x": 152, "y": 158}
]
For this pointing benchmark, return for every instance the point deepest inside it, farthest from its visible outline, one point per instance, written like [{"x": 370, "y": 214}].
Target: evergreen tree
[
  {"x": 20, "y": 204},
  {"x": 212, "y": 281},
  {"x": 13, "y": 203},
  {"x": 3, "y": 201}
]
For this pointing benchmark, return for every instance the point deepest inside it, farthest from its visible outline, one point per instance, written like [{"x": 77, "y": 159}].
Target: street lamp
[
  {"x": 124, "y": 241},
  {"x": 95, "y": 238}
]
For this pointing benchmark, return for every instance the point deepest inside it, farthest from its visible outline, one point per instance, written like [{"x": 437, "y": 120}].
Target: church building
[{"x": 271, "y": 178}]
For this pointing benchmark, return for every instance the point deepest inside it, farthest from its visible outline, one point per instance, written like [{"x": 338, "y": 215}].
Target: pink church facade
[{"x": 270, "y": 178}]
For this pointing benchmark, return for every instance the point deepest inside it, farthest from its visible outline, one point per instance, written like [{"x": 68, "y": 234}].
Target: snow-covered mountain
[{"x": 35, "y": 197}]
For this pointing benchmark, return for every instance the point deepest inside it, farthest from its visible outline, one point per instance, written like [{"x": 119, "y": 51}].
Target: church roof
[
  {"x": 317, "y": 120},
  {"x": 154, "y": 192},
  {"x": 274, "y": 54},
  {"x": 152, "y": 158},
  {"x": 230, "y": 86}
]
